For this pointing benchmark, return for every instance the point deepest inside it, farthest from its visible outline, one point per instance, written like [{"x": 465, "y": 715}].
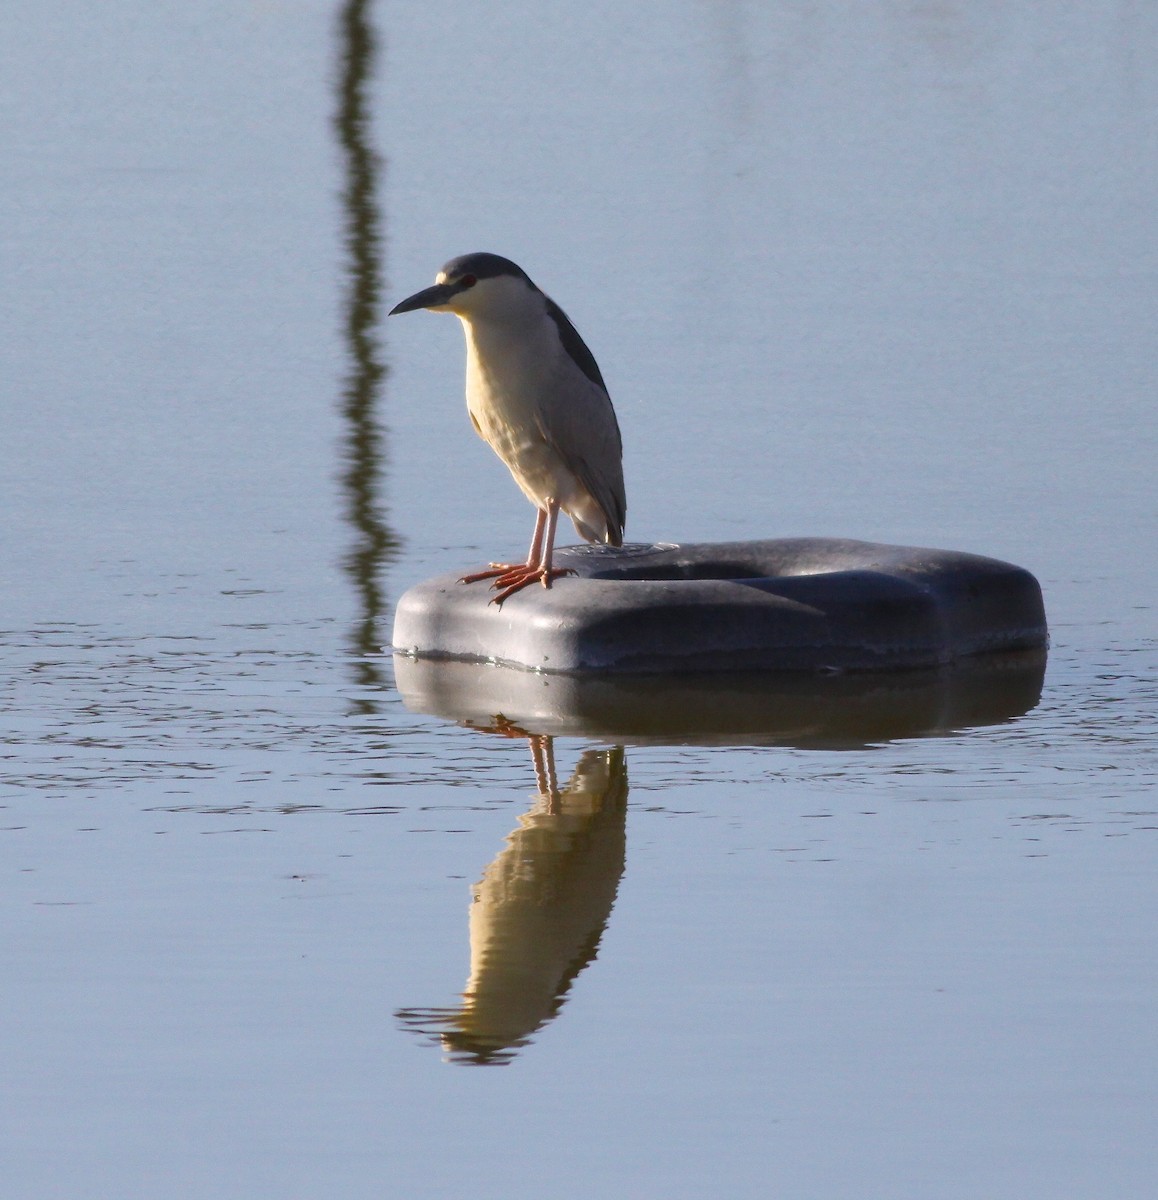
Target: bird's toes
[
  {"x": 509, "y": 591},
  {"x": 493, "y": 570},
  {"x": 515, "y": 580}
]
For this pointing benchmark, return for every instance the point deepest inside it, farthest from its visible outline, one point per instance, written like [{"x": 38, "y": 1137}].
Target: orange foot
[
  {"x": 517, "y": 578},
  {"x": 495, "y": 570},
  {"x": 501, "y": 725}
]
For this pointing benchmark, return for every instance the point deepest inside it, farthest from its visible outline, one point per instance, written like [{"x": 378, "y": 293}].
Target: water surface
[{"x": 884, "y": 273}]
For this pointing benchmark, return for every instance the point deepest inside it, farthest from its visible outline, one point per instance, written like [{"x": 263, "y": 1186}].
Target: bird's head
[{"x": 480, "y": 285}]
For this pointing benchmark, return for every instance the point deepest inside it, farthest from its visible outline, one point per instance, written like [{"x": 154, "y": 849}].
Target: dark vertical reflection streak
[{"x": 374, "y": 542}]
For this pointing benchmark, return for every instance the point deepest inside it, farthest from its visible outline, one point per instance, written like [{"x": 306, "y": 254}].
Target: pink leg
[
  {"x": 543, "y": 757},
  {"x": 500, "y": 569},
  {"x": 515, "y": 580}
]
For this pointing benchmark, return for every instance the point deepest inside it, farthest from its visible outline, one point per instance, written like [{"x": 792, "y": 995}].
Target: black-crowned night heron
[{"x": 535, "y": 395}]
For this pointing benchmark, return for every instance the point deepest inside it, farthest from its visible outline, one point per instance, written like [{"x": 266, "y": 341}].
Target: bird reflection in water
[{"x": 539, "y": 911}]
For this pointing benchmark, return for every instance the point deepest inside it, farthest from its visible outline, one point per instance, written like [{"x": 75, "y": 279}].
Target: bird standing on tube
[{"x": 536, "y": 397}]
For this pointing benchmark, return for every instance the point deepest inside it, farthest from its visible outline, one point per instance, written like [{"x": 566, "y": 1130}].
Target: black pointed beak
[{"x": 431, "y": 297}]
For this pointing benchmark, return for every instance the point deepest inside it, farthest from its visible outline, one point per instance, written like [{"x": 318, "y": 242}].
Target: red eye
[{"x": 467, "y": 281}]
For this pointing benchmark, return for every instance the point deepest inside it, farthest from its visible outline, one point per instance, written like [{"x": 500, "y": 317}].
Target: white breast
[{"x": 506, "y": 385}]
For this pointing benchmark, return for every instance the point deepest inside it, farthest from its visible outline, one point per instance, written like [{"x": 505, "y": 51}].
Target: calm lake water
[{"x": 884, "y": 271}]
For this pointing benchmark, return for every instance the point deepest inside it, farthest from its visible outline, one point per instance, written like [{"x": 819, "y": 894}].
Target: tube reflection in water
[{"x": 758, "y": 708}]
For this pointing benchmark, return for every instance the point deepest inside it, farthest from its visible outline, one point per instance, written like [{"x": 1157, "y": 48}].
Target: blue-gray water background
[{"x": 883, "y": 270}]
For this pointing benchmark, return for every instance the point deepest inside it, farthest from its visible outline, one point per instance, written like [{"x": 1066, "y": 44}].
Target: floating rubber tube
[{"x": 794, "y": 604}]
